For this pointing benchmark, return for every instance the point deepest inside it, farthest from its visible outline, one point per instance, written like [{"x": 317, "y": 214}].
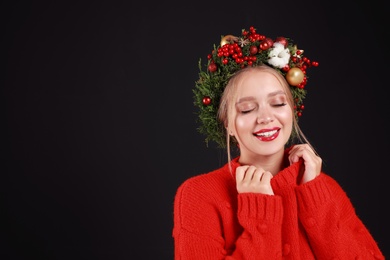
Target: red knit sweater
[{"x": 315, "y": 220}]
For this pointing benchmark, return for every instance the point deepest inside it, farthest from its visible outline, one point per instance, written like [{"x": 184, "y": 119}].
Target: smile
[{"x": 267, "y": 134}]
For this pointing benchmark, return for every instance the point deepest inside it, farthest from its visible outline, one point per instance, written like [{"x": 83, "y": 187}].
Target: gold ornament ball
[
  {"x": 227, "y": 39},
  {"x": 294, "y": 76}
]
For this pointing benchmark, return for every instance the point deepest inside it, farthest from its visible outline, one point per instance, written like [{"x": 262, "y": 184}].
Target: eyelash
[
  {"x": 277, "y": 105},
  {"x": 246, "y": 111}
]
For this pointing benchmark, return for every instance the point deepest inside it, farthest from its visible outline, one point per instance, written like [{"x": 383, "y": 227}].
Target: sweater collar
[{"x": 287, "y": 176}]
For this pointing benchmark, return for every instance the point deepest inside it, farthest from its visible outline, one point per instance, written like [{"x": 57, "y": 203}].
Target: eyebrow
[{"x": 251, "y": 98}]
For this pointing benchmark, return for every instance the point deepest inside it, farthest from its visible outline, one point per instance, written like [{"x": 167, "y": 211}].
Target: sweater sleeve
[
  {"x": 198, "y": 229},
  {"x": 332, "y": 226}
]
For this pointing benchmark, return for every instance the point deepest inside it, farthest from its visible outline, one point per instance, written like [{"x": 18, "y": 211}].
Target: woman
[{"x": 272, "y": 201}]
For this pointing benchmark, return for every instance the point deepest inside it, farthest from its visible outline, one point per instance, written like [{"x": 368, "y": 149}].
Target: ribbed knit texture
[{"x": 315, "y": 220}]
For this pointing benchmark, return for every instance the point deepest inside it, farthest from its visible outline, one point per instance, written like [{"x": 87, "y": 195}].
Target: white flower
[{"x": 279, "y": 56}]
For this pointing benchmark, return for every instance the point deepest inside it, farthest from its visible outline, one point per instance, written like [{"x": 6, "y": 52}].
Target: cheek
[
  {"x": 244, "y": 122},
  {"x": 286, "y": 116}
]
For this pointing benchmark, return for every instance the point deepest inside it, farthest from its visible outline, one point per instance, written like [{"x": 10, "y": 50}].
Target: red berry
[
  {"x": 282, "y": 40},
  {"x": 206, "y": 101},
  {"x": 266, "y": 44},
  {"x": 253, "y": 50},
  {"x": 212, "y": 67}
]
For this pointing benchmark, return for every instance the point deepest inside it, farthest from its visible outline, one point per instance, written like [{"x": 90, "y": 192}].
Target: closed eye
[
  {"x": 280, "y": 105},
  {"x": 246, "y": 111}
]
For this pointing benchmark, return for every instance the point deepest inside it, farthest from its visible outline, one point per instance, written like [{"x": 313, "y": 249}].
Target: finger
[
  {"x": 240, "y": 173},
  {"x": 299, "y": 151},
  {"x": 293, "y": 157},
  {"x": 258, "y": 175},
  {"x": 249, "y": 173},
  {"x": 266, "y": 177}
]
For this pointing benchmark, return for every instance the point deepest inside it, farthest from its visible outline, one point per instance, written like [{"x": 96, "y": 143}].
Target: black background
[{"x": 99, "y": 117}]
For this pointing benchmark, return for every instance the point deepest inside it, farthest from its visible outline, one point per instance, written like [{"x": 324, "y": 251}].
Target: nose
[
  {"x": 264, "y": 120},
  {"x": 264, "y": 117}
]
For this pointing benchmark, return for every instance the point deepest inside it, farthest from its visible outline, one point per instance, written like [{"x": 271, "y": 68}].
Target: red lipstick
[{"x": 267, "y": 135}]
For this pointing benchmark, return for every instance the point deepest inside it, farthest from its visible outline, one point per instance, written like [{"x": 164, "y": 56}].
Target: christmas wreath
[{"x": 234, "y": 53}]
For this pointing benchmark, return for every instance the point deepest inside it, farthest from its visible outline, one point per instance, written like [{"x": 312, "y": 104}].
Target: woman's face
[{"x": 263, "y": 121}]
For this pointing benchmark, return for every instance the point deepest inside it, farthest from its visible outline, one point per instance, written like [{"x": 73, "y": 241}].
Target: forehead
[{"x": 256, "y": 83}]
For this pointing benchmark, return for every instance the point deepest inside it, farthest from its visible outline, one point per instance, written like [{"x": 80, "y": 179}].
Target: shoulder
[
  {"x": 326, "y": 186},
  {"x": 206, "y": 181},
  {"x": 329, "y": 180},
  {"x": 202, "y": 199},
  {"x": 208, "y": 186}
]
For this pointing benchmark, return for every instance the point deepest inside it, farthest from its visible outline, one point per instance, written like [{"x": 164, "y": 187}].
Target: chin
[{"x": 270, "y": 148}]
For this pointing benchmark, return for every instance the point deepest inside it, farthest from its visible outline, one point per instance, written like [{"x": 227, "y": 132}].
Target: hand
[
  {"x": 252, "y": 179},
  {"x": 312, "y": 162}
]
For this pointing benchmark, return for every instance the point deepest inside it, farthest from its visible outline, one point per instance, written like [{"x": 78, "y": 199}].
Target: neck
[{"x": 271, "y": 162}]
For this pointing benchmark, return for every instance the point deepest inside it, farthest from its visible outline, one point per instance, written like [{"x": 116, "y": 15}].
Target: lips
[{"x": 267, "y": 135}]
